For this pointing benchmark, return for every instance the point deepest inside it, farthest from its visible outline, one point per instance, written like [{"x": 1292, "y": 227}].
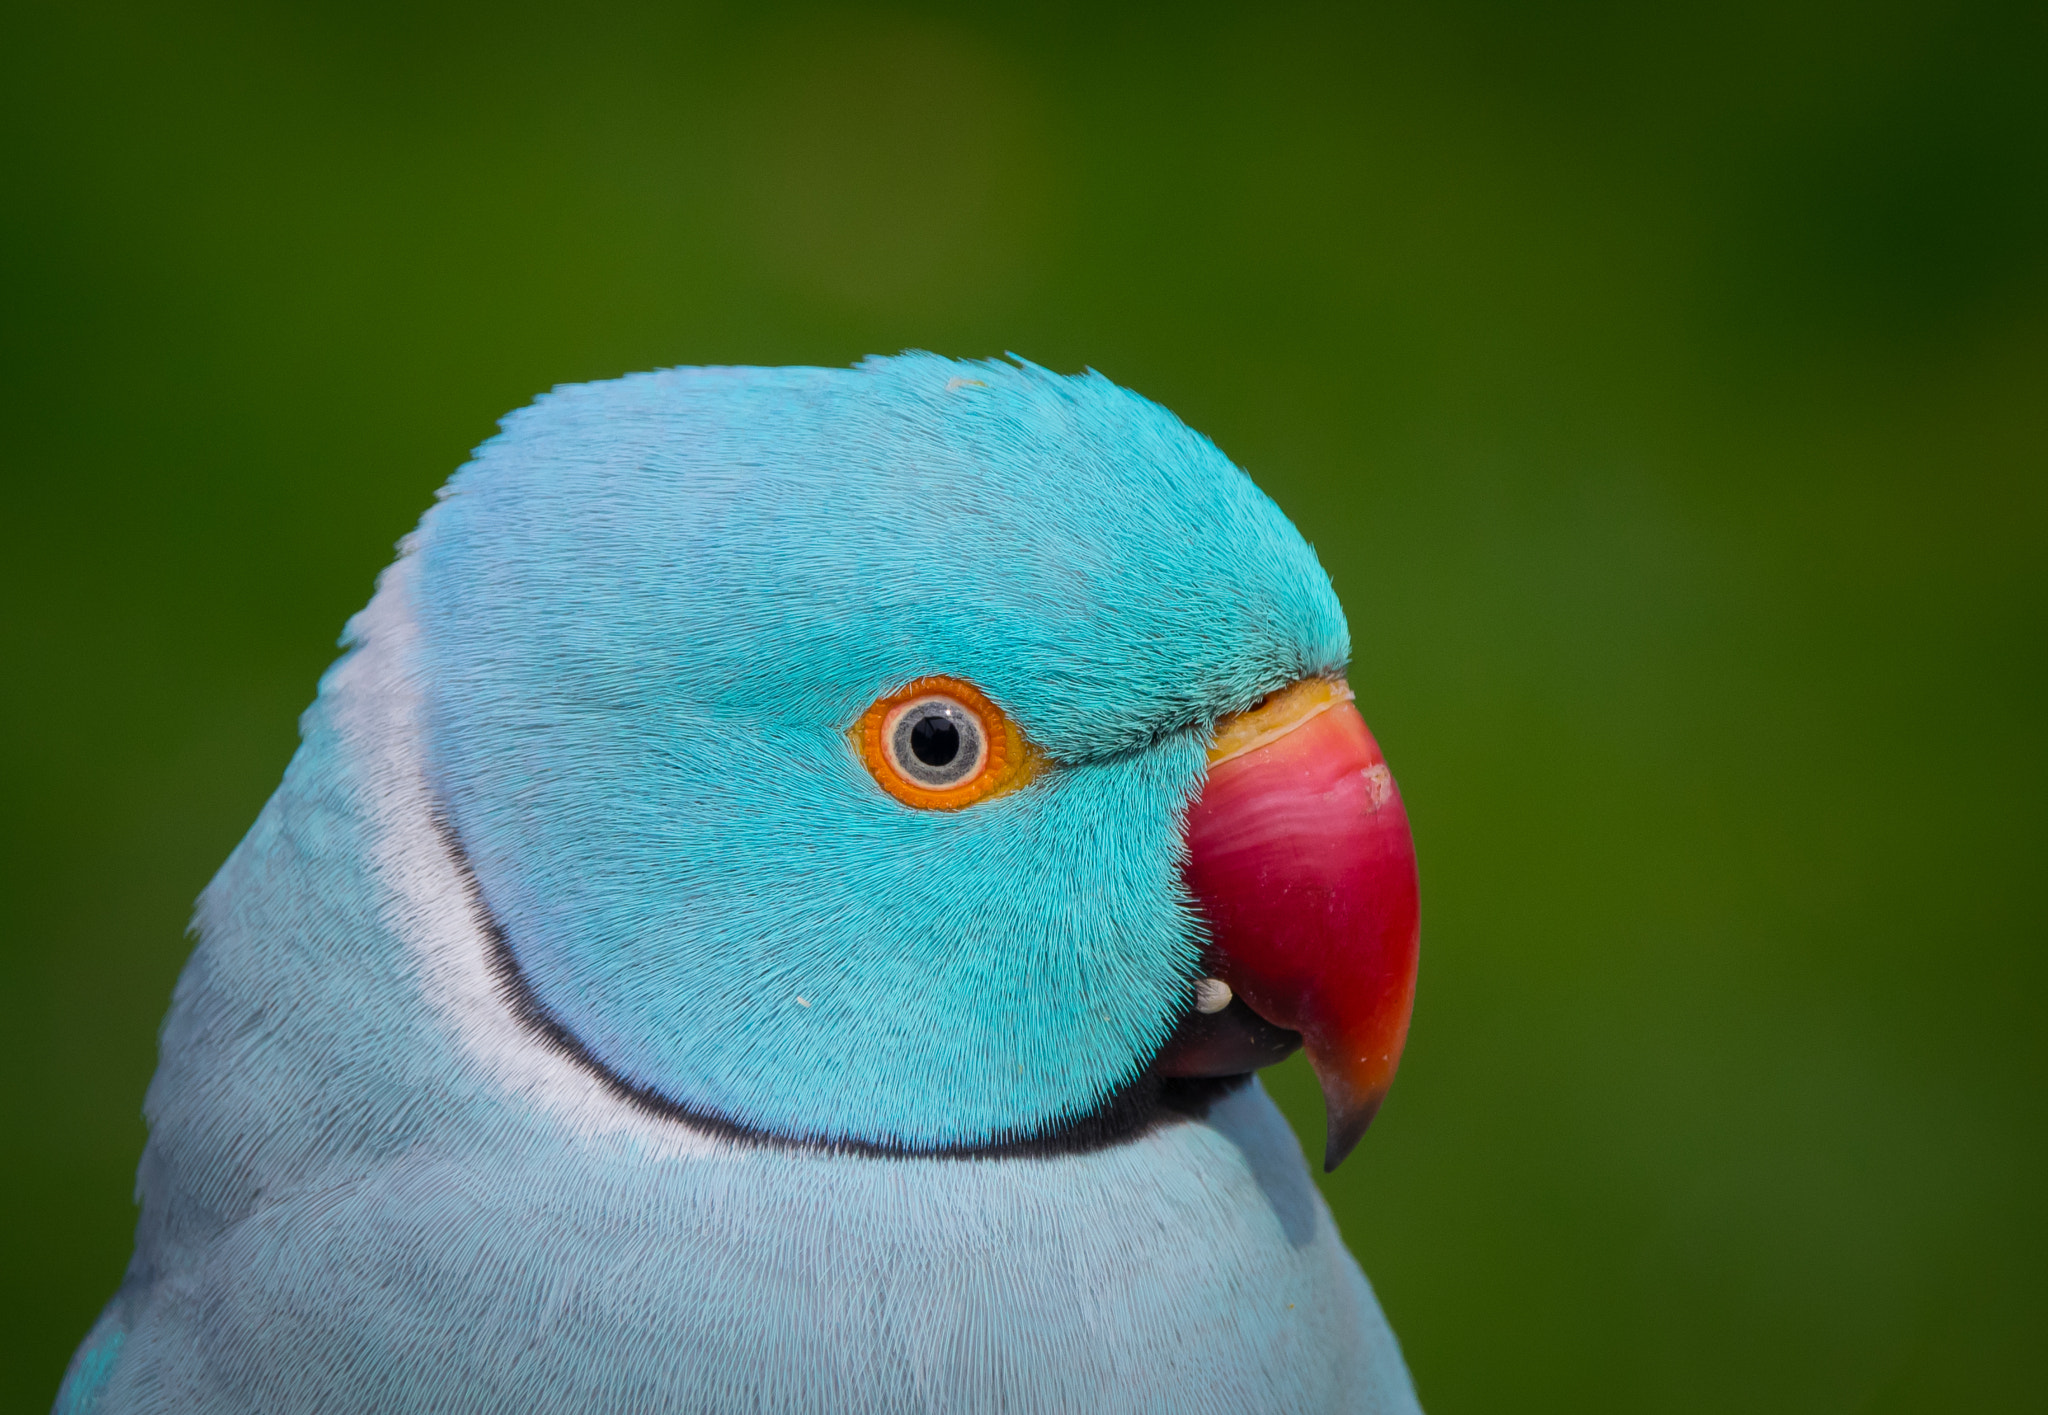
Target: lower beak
[{"x": 1300, "y": 857}]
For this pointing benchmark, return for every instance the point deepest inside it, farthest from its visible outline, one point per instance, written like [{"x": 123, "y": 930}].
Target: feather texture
[{"x": 573, "y": 824}]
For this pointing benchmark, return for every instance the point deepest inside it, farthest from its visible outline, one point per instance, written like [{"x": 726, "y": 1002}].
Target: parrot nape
[{"x": 776, "y": 909}]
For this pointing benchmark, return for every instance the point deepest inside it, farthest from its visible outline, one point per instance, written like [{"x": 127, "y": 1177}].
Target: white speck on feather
[{"x": 801, "y": 1003}]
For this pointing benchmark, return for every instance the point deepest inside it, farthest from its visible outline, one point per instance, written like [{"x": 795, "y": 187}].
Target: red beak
[{"x": 1300, "y": 856}]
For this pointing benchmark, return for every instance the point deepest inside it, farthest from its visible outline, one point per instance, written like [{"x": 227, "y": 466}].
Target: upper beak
[{"x": 1300, "y": 857}]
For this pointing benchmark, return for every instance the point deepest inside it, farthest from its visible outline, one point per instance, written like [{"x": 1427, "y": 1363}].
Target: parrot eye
[
  {"x": 941, "y": 744},
  {"x": 935, "y": 742}
]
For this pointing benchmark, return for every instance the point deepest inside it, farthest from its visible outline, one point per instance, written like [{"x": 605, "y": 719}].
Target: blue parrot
[{"x": 775, "y": 909}]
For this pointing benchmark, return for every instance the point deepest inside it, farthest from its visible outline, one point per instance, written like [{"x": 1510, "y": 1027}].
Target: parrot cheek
[{"x": 1300, "y": 857}]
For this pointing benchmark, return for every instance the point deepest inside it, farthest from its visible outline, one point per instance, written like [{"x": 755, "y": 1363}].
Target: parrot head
[{"x": 924, "y": 757}]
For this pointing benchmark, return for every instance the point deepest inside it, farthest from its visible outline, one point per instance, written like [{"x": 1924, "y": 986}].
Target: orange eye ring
[{"x": 1002, "y": 760}]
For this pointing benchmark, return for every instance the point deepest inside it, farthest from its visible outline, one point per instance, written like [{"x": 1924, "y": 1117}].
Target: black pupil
[{"x": 934, "y": 741}]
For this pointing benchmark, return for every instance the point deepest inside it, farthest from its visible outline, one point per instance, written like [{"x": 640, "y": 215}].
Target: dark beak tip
[{"x": 1346, "y": 1127}]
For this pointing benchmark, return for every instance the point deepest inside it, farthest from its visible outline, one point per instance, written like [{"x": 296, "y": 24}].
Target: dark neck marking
[{"x": 1149, "y": 1101}]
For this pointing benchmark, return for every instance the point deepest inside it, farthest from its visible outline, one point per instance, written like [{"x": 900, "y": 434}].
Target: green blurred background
[{"x": 1666, "y": 391}]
